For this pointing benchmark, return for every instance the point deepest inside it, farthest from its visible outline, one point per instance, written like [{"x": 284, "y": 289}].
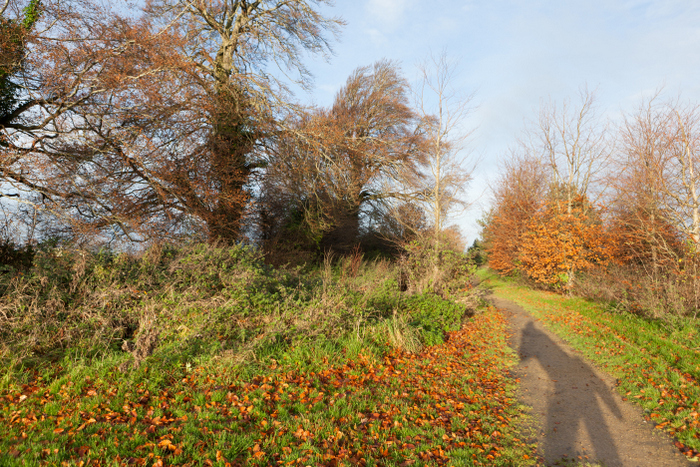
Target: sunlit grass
[
  {"x": 326, "y": 403},
  {"x": 256, "y": 366}
]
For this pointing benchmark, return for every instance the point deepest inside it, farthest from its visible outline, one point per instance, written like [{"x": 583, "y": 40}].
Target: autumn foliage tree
[
  {"x": 150, "y": 123},
  {"x": 538, "y": 231},
  {"x": 340, "y": 165},
  {"x": 518, "y": 194},
  {"x": 163, "y": 120},
  {"x": 639, "y": 250},
  {"x": 564, "y": 237},
  {"x": 543, "y": 224}
]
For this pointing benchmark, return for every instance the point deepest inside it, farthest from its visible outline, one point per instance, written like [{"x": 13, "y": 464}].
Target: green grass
[
  {"x": 334, "y": 403},
  {"x": 331, "y": 365},
  {"x": 656, "y": 363}
]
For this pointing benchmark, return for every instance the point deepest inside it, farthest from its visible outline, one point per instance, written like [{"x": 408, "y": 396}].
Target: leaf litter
[{"x": 450, "y": 404}]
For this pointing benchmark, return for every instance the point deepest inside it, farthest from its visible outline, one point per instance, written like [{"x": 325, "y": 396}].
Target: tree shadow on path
[{"x": 578, "y": 406}]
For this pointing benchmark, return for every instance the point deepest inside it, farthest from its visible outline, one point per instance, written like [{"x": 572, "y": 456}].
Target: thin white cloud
[
  {"x": 377, "y": 38},
  {"x": 389, "y": 13}
]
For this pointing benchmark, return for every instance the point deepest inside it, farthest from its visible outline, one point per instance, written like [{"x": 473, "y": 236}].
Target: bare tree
[
  {"x": 637, "y": 204},
  {"x": 660, "y": 174},
  {"x": 447, "y": 168},
  {"x": 574, "y": 143},
  {"x": 682, "y": 185}
]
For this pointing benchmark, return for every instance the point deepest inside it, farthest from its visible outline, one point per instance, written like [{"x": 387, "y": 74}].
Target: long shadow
[{"x": 576, "y": 401}]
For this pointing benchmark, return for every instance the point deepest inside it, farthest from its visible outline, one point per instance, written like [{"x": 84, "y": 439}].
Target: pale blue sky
[{"x": 514, "y": 54}]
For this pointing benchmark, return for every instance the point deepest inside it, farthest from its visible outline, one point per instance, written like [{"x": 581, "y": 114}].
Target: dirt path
[{"x": 580, "y": 416}]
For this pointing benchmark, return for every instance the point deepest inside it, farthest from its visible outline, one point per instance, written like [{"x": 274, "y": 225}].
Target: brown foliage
[
  {"x": 149, "y": 124},
  {"x": 561, "y": 240},
  {"x": 518, "y": 195},
  {"x": 644, "y": 238},
  {"x": 335, "y": 165},
  {"x": 403, "y": 222},
  {"x": 12, "y": 42}
]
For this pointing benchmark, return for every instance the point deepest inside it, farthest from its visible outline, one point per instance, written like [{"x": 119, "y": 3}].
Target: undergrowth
[
  {"x": 89, "y": 305},
  {"x": 203, "y": 355},
  {"x": 328, "y": 404}
]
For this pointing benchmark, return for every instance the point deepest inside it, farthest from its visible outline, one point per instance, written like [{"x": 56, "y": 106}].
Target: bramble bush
[
  {"x": 440, "y": 270},
  {"x": 222, "y": 300},
  {"x": 434, "y": 316}
]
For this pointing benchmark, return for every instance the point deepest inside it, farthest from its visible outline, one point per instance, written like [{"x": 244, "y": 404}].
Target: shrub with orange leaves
[{"x": 563, "y": 239}]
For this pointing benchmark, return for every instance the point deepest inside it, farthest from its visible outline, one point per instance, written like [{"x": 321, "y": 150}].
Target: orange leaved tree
[
  {"x": 517, "y": 195},
  {"x": 563, "y": 238}
]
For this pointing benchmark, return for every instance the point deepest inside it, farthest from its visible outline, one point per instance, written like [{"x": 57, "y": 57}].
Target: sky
[{"x": 515, "y": 55}]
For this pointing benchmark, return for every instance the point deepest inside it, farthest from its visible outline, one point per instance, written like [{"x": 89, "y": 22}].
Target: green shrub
[
  {"x": 434, "y": 316},
  {"x": 94, "y": 301},
  {"x": 442, "y": 271},
  {"x": 224, "y": 300}
]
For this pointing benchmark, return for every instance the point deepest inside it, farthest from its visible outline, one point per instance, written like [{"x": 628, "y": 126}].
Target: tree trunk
[
  {"x": 344, "y": 234},
  {"x": 231, "y": 143}
]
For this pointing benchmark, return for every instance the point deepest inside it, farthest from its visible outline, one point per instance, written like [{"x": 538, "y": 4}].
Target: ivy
[{"x": 12, "y": 52}]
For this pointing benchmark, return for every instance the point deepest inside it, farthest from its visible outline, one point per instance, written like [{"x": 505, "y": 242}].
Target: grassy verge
[
  {"x": 657, "y": 364},
  {"x": 332, "y": 404},
  {"x": 205, "y": 356}
]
